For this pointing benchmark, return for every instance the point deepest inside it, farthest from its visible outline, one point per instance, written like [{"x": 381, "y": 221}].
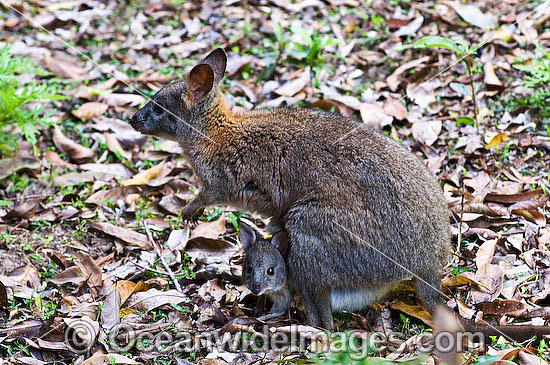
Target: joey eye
[
  {"x": 249, "y": 269},
  {"x": 270, "y": 271},
  {"x": 158, "y": 107}
]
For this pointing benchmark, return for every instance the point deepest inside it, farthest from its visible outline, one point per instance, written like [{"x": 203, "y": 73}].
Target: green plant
[
  {"x": 537, "y": 78},
  {"x": 279, "y": 46},
  {"x": 463, "y": 53},
  {"x": 311, "y": 48},
  {"x": 21, "y": 102}
]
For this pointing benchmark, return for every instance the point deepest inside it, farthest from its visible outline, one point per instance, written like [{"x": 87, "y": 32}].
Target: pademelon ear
[
  {"x": 280, "y": 240},
  {"x": 201, "y": 81},
  {"x": 247, "y": 235},
  {"x": 217, "y": 59}
]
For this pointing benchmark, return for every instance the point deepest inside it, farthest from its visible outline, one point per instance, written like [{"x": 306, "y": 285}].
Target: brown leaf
[
  {"x": 485, "y": 254},
  {"x": 490, "y": 77},
  {"x": 510, "y": 307},
  {"x": 91, "y": 270},
  {"x": 395, "y": 78},
  {"x": 464, "y": 310},
  {"x": 76, "y": 152},
  {"x": 28, "y": 328},
  {"x": 73, "y": 178},
  {"x": 211, "y": 230},
  {"x": 331, "y": 105},
  {"x": 459, "y": 280},
  {"x": 178, "y": 239},
  {"x": 415, "y": 311},
  {"x": 13, "y": 164},
  {"x": 291, "y": 88},
  {"x": 153, "y": 298},
  {"x": 123, "y": 100},
  {"x": 513, "y": 198},
  {"x": 64, "y": 68},
  {"x": 26, "y": 275},
  {"x": 105, "y": 359},
  {"x": 100, "y": 197},
  {"x": 114, "y": 146},
  {"x": 123, "y": 234},
  {"x": 144, "y": 177},
  {"x": 526, "y": 358},
  {"x": 374, "y": 115},
  {"x": 532, "y": 215},
  {"x": 53, "y": 158},
  {"x": 110, "y": 314},
  {"x": 71, "y": 275},
  {"x": 395, "y": 108},
  {"x": 90, "y": 110},
  {"x": 108, "y": 170},
  {"x": 127, "y": 288},
  {"x": 426, "y": 132},
  {"x": 24, "y": 210}
]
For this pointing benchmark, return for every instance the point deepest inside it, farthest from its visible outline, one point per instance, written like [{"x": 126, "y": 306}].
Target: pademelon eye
[
  {"x": 270, "y": 271},
  {"x": 158, "y": 107},
  {"x": 249, "y": 269}
]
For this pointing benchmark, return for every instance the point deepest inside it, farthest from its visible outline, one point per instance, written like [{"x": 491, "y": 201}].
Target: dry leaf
[
  {"x": 144, "y": 177},
  {"x": 395, "y": 78},
  {"x": 374, "y": 116},
  {"x": 127, "y": 288},
  {"x": 114, "y": 146},
  {"x": 415, "y": 311},
  {"x": 90, "y": 110},
  {"x": 64, "y": 68},
  {"x": 474, "y": 16},
  {"x": 126, "y": 100},
  {"x": 395, "y": 108},
  {"x": 426, "y": 132},
  {"x": 513, "y": 308},
  {"x": 497, "y": 140},
  {"x": 210, "y": 230},
  {"x": 13, "y": 164},
  {"x": 107, "y": 359},
  {"x": 291, "y": 88},
  {"x": 153, "y": 298},
  {"x": 76, "y": 152},
  {"x": 123, "y": 234},
  {"x": 490, "y": 77},
  {"x": 485, "y": 254}
]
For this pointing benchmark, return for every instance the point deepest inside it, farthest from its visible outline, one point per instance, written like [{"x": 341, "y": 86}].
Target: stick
[{"x": 159, "y": 254}]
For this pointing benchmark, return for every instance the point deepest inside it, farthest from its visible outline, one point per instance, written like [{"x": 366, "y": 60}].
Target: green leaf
[
  {"x": 465, "y": 121},
  {"x": 440, "y": 42},
  {"x": 5, "y": 203}
]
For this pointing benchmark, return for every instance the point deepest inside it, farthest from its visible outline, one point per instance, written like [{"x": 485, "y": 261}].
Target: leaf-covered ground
[{"x": 90, "y": 232}]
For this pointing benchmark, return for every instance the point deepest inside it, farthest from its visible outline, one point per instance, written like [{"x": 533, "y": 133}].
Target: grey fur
[{"x": 291, "y": 165}]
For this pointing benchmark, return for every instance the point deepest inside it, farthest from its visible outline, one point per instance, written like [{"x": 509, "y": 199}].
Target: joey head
[{"x": 264, "y": 267}]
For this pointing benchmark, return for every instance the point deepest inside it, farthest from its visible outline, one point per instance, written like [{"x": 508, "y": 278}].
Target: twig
[
  {"x": 159, "y": 254},
  {"x": 461, "y": 217},
  {"x": 474, "y": 96}
]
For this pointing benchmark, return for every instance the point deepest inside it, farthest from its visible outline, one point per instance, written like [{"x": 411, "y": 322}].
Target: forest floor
[{"x": 91, "y": 236}]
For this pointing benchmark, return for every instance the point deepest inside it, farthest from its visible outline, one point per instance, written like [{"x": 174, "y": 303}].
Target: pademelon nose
[{"x": 136, "y": 122}]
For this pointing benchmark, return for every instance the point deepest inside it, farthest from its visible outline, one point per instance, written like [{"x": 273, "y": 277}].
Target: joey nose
[{"x": 256, "y": 289}]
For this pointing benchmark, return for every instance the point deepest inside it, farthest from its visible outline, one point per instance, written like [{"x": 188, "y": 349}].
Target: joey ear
[
  {"x": 217, "y": 59},
  {"x": 280, "y": 241},
  {"x": 201, "y": 81},
  {"x": 247, "y": 235}
]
